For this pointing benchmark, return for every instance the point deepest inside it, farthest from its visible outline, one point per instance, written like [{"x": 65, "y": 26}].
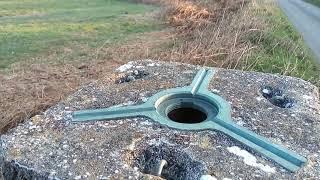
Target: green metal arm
[
  {"x": 286, "y": 158},
  {"x": 112, "y": 113}
]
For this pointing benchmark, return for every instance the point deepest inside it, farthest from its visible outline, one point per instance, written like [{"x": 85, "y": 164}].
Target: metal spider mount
[{"x": 214, "y": 113}]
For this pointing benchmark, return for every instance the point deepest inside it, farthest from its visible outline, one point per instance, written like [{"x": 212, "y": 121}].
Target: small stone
[
  {"x": 77, "y": 177},
  {"x": 259, "y": 98},
  {"x": 307, "y": 97},
  {"x": 144, "y": 99},
  {"x": 266, "y": 91},
  {"x": 136, "y": 72},
  {"x": 289, "y": 105},
  {"x": 128, "y": 103},
  {"x": 241, "y": 123},
  {"x": 82, "y": 66},
  {"x": 125, "y": 67},
  {"x": 216, "y": 91},
  {"x": 32, "y": 127},
  {"x": 130, "y": 78}
]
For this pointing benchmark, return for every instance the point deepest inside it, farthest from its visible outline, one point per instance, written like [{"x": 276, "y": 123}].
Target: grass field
[
  {"x": 281, "y": 48},
  {"x": 29, "y": 28}
]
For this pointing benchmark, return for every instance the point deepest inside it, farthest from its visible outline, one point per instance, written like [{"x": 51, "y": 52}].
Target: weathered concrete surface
[
  {"x": 50, "y": 146},
  {"x": 306, "y": 18}
]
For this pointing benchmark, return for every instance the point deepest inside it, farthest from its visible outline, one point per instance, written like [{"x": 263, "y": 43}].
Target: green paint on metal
[{"x": 197, "y": 96}]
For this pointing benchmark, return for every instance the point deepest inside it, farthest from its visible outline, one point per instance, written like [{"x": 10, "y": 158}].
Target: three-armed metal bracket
[{"x": 197, "y": 96}]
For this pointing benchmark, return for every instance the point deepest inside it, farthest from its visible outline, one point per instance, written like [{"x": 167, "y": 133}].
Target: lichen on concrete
[{"x": 50, "y": 146}]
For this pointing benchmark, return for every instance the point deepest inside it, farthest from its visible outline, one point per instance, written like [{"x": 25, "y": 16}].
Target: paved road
[{"x": 306, "y": 18}]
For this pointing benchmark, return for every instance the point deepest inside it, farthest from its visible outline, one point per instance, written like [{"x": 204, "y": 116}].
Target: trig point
[{"x": 158, "y": 120}]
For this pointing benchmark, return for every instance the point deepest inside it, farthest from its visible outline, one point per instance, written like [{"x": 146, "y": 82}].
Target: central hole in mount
[
  {"x": 187, "y": 115},
  {"x": 186, "y": 108}
]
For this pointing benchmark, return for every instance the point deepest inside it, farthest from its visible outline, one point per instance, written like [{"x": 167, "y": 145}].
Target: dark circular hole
[
  {"x": 187, "y": 115},
  {"x": 180, "y": 165}
]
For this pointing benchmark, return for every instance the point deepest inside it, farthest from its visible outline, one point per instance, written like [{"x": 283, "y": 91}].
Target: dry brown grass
[
  {"x": 209, "y": 33},
  {"x": 30, "y": 88},
  {"x": 36, "y": 87}
]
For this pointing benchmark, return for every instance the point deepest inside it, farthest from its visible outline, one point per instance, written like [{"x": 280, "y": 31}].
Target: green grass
[
  {"x": 282, "y": 49},
  {"x": 314, "y": 2},
  {"x": 30, "y": 28}
]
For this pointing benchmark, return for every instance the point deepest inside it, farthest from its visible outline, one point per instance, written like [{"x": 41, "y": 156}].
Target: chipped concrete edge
[{"x": 14, "y": 170}]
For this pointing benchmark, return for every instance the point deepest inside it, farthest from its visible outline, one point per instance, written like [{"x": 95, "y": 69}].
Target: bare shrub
[{"x": 209, "y": 32}]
